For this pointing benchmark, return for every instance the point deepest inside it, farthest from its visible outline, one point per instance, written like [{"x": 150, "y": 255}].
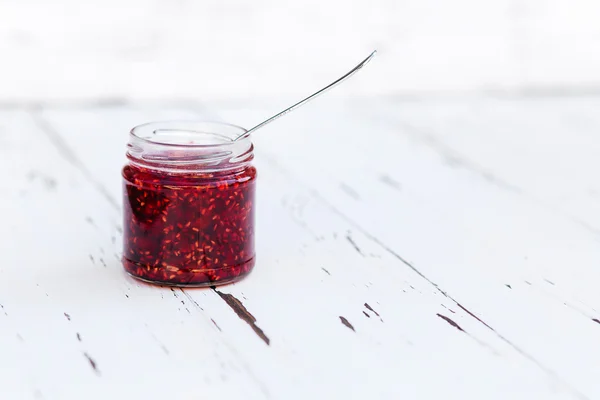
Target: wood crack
[
  {"x": 353, "y": 243},
  {"x": 243, "y": 313},
  {"x": 387, "y": 180},
  {"x": 452, "y": 157},
  {"x": 69, "y": 155},
  {"x": 346, "y": 323},
  {"x": 92, "y": 363},
  {"x": 368, "y": 307},
  {"x": 349, "y": 191},
  {"x": 232, "y": 348},
  {"x": 451, "y": 322}
]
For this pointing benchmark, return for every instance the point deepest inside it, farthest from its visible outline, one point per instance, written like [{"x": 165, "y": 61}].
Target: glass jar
[{"x": 189, "y": 200}]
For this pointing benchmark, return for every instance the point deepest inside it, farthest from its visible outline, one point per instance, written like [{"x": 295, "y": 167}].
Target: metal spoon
[{"x": 312, "y": 96}]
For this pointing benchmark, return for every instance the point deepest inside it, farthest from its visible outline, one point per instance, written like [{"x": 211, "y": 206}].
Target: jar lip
[{"x": 172, "y": 125}]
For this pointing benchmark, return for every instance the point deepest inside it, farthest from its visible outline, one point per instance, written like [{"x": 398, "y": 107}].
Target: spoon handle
[{"x": 312, "y": 96}]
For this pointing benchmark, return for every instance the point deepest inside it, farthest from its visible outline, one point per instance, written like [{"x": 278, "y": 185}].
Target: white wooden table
[{"x": 416, "y": 249}]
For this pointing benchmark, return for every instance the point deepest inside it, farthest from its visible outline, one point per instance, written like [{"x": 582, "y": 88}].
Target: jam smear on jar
[{"x": 188, "y": 229}]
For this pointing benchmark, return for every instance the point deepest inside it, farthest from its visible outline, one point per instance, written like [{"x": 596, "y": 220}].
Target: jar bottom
[{"x": 187, "y": 278}]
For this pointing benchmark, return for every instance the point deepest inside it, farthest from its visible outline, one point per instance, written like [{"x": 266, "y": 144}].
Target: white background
[{"x": 216, "y": 49}]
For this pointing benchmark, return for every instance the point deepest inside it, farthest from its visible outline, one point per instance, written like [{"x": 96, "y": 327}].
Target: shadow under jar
[{"x": 189, "y": 200}]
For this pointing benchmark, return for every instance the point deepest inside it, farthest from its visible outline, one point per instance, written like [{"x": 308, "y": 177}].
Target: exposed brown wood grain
[
  {"x": 347, "y": 323},
  {"x": 451, "y": 322},
  {"x": 371, "y": 309},
  {"x": 92, "y": 363},
  {"x": 241, "y": 311}
]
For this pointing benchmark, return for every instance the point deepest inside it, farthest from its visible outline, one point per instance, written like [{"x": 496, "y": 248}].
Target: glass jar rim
[
  {"x": 189, "y": 145},
  {"x": 189, "y": 126}
]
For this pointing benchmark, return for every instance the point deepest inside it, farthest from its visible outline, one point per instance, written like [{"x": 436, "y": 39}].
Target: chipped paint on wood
[
  {"x": 241, "y": 311},
  {"x": 92, "y": 363},
  {"x": 451, "y": 322},
  {"x": 346, "y": 323}
]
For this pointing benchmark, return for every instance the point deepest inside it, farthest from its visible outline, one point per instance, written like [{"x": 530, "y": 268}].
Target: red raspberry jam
[{"x": 189, "y": 207}]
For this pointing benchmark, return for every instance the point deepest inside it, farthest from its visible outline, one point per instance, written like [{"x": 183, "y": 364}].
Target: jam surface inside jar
[{"x": 188, "y": 224}]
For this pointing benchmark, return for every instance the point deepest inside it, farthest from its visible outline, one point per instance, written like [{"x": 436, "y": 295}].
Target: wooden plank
[
  {"x": 72, "y": 324},
  {"x": 344, "y": 313},
  {"x": 550, "y": 143},
  {"x": 463, "y": 228}
]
